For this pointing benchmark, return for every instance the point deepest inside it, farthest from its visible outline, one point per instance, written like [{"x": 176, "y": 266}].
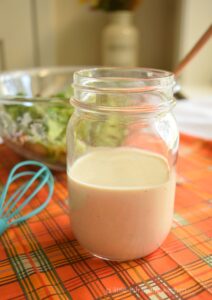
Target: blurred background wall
[
  {"x": 193, "y": 18},
  {"x": 79, "y": 36},
  {"x": 64, "y": 32}
]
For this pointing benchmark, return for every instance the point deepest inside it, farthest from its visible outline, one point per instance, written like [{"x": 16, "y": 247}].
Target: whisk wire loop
[
  {"x": 9, "y": 209},
  {"x": 26, "y": 188}
]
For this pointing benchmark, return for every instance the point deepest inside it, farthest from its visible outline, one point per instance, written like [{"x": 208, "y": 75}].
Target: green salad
[{"x": 41, "y": 128}]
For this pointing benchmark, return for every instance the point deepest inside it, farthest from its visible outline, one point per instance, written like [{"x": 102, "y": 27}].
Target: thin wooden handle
[{"x": 197, "y": 47}]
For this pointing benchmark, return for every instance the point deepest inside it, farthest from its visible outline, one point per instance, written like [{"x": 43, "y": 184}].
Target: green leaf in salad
[
  {"x": 17, "y": 111},
  {"x": 108, "y": 133},
  {"x": 56, "y": 120}
]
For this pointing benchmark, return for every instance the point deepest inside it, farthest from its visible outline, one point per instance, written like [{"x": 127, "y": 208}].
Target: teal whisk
[{"x": 10, "y": 208}]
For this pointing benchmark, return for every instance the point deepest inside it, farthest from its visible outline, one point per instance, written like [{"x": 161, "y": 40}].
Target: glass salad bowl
[{"x": 34, "y": 112}]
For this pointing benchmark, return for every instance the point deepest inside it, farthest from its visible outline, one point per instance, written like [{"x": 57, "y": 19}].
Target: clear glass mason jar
[{"x": 122, "y": 148}]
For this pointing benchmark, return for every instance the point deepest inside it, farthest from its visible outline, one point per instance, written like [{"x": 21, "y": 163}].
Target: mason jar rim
[
  {"x": 146, "y": 79},
  {"x": 121, "y": 80}
]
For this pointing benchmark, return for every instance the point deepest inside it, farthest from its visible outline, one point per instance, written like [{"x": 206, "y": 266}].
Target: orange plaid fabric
[{"x": 40, "y": 259}]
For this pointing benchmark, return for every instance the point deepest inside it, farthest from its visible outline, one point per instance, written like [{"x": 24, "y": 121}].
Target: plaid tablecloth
[{"x": 41, "y": 259}]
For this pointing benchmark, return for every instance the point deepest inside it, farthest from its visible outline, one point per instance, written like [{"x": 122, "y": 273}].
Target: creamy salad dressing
[{"x": 121, "y": 202}]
